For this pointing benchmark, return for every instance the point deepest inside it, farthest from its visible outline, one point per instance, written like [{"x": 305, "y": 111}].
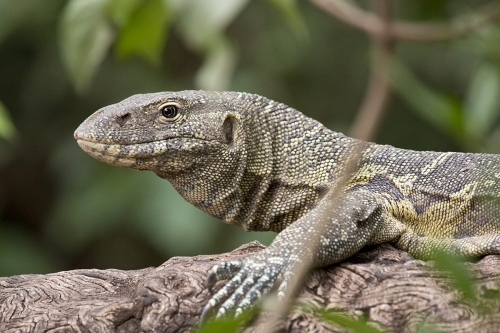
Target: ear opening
[{"x": 228, "y": 128}]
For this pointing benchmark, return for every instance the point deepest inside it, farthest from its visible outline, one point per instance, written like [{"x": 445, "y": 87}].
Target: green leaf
[
  {"x": 291, "y": 13},
  {"x": 461, "y": 279},
  {"x": 441, "y": 110},
  {"x": 120, "y": 11},
  {"x": 228, "y": 325},
  {"x": 145, "y": 32},
  {"x": 222, "y": 325},
  {"x": 85, "y": 37},
  {"x": 338, "y": 317},
  {"x": 355, "y": 325},
  {"x": 482, "y": 105},
  {"x": 7, "y": 129},
  {"x": 202, "y": 21}
]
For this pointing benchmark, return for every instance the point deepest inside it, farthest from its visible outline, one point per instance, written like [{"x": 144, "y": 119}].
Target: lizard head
[{"x": 165, "y": 132}]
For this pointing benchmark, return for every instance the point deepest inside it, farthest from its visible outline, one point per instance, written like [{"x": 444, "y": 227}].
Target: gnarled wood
[{"x": 394, "y": 291}]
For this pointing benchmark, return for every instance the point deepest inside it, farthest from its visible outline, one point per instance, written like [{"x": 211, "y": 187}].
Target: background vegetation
[{"x": 62, "y": 60}]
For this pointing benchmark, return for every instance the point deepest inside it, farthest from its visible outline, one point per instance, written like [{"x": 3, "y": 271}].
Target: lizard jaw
[
  {"x": 142, "y": 156},
  {"x": 121, "y": 155}
]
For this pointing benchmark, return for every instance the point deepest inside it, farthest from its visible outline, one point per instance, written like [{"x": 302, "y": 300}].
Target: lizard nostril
[{"x": 123, "y": 118}]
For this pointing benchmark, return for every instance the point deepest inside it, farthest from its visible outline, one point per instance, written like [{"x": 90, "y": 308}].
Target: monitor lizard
[{"x": 262, "y": 165}]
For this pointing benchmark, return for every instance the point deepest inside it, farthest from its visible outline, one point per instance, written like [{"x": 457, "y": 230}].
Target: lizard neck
[{"x": 285, "y": 173}]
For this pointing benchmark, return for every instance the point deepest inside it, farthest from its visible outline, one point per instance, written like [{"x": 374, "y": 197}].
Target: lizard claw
[
  {"x": 222, "y": 271},
  {"x": 250, "y": 280}
]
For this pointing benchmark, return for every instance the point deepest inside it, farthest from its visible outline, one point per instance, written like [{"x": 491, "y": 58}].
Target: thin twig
[
  {"x": 410, "y": 31},
  {"x": 349, "y": 167}
]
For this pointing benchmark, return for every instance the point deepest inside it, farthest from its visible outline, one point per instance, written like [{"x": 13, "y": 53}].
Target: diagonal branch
[{"x": 410, "y": 31}]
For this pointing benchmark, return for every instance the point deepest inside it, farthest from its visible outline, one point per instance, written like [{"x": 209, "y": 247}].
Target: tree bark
[{"x": 385, "y": 286}]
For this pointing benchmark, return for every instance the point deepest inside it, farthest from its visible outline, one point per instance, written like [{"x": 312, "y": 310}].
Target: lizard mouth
[
  {"x": 121, "y": 155},
  {"x": 138, "y": 155}
]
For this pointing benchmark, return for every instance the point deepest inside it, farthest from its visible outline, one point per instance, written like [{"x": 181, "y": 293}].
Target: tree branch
[
  {"x": 383, "y": 286},
  {"x": 409, "y": 31}
]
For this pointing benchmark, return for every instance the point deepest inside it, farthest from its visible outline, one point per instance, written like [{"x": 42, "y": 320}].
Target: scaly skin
[{"x": 259, "y": 164}]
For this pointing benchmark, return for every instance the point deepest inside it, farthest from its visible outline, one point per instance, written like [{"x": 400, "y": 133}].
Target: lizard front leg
[{"x": 342, "y": 226}]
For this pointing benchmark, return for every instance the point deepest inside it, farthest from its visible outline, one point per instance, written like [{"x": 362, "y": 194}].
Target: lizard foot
[{"x": 251, "y": 278}]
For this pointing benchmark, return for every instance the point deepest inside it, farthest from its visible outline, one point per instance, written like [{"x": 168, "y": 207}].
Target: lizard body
[{"x": 250, "y": 161}]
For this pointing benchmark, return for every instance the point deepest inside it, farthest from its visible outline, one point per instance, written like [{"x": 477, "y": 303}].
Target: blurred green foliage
[
  {"x": 460, "y": 277},
  {"x": 342, "y": 320},
  {"x": 62, "y": 60},
  {"x": 7, "y": 129},
  {"x": 228, "y": 324}
]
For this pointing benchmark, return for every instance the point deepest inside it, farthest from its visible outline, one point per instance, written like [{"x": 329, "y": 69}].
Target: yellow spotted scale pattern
[{"x": 260, "y": 164}]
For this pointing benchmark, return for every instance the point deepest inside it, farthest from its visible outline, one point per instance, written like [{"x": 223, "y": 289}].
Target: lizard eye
[{"x": 170, "y": 111}]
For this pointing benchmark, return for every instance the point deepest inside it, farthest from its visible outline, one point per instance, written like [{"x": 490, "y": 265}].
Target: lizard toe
[
  {"x": 223, "y": 294},
  {"x": 289, "y": 280},
  {"x": 239, "y": 294},
  {"x": 262, "y": 287},
  {"x": 244, "y": 294},
  {"x": 222, "y": 271}
]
